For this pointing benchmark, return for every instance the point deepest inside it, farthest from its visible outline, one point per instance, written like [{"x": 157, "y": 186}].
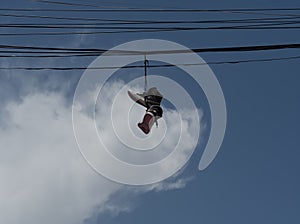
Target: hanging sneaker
[
  {"x": 153, "y": 97},
  {"x": 152, "y": 115},
  {"x": 147, "y": 123},
  {"x": 138, "y": 98},
  {"x": 147, "y": 99}
]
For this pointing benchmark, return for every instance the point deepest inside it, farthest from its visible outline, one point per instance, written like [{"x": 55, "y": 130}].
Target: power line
[
  {"x": 48, "y": 56},
  {"x": 152, "y": 66},
  {"x": 80, "y": 4},
  {"x": 150, "y": 10},
  {"x": 56, "y": 17},
  {"x": 105, "y": 27},
  {"x": 111, "y": 25},
  {"x": 154, "y": 30},
  {"x": 278, "y": 17},
  {"x": 136, "y": 8},
  {"x": 127, "y": 22},
  {"x": 66, "y": 3},
  {"x": 134, "y": 21},
  {"x": 119, "y": 4},
  {"x": 16, "y": 49}
]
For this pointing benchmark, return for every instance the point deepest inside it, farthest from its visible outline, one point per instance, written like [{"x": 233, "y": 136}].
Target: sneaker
[
  {"x": 147, "y": 123},
  {"x": 152, "y": 115},
  {"x": 147, "y": 99},
  {"x": 138, "y": 98}
]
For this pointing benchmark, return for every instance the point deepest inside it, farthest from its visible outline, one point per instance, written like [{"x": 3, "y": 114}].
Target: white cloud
[{"x": 43, "y": 177}]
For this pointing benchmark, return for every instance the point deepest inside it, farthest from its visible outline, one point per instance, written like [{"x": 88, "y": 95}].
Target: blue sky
[{"x": 254, "y": 178}]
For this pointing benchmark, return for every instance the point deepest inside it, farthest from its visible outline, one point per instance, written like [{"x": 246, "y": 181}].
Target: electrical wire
[
  {"x": 124, "y": 22},
  {"x": 14, "y": 49},
  {"x": 150, "y": 10},
  {"x": 86, "y": 5},
  {"x": 144, "y": 21},
  {"x": 152, "y": 66},
  {"x": 136, "y": 8},
  {"x": 255, "y": 21},
  {"x": 155, "y": 30},
  {"x": 278, "y": 17},
  {"x": 80, "y": 4}
]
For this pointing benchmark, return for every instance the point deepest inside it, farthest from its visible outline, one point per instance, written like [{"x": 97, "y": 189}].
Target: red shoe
[{"x": 147, "y": 123}]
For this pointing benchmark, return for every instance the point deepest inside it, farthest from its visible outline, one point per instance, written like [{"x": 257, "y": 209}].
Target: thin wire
[
  {"x": 152, "y": 66},
  {"x": 261, "y": 13},
  {"x": 90, "y": 5},
  {"x": 150, "y": 10},
  {"x": 126, "y": 22},
  {"x": 281, "y": 16},
  {"x": 255, "y": 22},
  {"x": 58, "y": 18},
  {"x": 82, "y": 51},
  {"x": 48, "y": 56},
  {"x": 80, "y": 4},
  {"x": 140, "y": 21},
  {"x": 153, "y": 30},
  {"x": 146, "y": 64},
  {"x": 122, "y": 7}
]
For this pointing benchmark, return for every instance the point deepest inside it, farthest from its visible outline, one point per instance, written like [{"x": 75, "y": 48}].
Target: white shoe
[
  {"x": 138, "y": 98},
  {"x": 153, "y": 97}
]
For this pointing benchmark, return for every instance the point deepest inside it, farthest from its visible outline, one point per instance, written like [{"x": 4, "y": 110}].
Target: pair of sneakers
[{"x": 150, "y": 99}]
